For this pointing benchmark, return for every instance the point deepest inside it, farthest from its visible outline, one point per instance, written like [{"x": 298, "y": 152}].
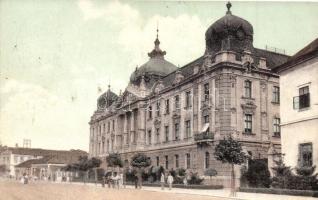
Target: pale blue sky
[{"x": 55, "y": 54}]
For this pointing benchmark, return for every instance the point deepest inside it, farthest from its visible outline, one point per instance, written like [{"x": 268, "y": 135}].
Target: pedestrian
[
  {"x": 185, "y": 181},
  {"x": 121, "y": 180},
  {"x": 170, "y": 181},
  {"x": 162, "y": 181}
]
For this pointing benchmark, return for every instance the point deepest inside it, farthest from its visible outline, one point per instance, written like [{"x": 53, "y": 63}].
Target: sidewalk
[{"x": 223, "y": 193}]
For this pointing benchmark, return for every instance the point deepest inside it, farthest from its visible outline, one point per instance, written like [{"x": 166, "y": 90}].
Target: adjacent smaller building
[
  {"x": 299, "y": 107},
  {"x": 17, "y": 160}
]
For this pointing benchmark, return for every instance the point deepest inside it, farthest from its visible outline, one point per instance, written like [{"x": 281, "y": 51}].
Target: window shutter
[{"x": 296, "y": 103}]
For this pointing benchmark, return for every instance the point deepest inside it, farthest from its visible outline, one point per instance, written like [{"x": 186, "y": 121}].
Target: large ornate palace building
[{"x": 177, "y": 115}]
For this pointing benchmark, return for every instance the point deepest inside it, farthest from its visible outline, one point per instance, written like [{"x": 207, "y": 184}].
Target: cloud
[
  {"x": 181, "y": 36},
  {"x": 33, "y": 112}
]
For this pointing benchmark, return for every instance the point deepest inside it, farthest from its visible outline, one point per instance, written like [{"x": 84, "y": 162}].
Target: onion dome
[
  {"x": 106, "y": 99},
  {"x": 229, "y": 33},
  {"x": 155, "y": 68}
]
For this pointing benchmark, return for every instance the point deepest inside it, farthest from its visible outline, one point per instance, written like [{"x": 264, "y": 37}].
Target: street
[{"x": 13, "y": 190}]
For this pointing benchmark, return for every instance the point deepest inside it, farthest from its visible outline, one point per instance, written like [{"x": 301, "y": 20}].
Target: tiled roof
[
  {"x": 52, "y": 159},
  {"x": 273, "y": 59},
  {"x": 309, "y": 51}
]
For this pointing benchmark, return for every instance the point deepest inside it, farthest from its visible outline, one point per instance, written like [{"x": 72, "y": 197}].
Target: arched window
[
  {"x": 207, "y": 160},
  {"x": 248, "y": 88}
]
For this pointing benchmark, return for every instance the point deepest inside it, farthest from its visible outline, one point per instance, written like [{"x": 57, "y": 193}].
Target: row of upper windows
[
  {"x": 206, "y": 97},
  {"x": 248, "y": 91},
  {"x": 176, "y": 132},
  {"x": 102, "y": 128},
  {"x": 248, "y": 125}
]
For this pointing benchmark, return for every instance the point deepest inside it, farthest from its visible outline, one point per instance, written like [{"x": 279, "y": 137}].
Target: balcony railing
[{"x": 204, "y": 136}]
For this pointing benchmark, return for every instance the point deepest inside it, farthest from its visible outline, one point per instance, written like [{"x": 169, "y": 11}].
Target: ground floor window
[
  {"x": 166, "y": 162},
  {"x": 207, "y": 160},
  {"x": 305, "y": 155},
  {"x": 188, "y": 161},
  {"x": 177, "y": 161}
]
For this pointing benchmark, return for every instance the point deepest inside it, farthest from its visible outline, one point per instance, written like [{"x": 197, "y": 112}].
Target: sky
[{"x": 55, "y": 56}]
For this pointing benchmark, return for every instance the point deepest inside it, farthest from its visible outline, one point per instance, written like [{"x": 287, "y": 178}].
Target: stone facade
[{"x": 177, "y": 118}]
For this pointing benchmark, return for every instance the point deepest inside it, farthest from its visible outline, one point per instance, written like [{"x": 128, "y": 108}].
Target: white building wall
[{"x": 299, "y": 126}]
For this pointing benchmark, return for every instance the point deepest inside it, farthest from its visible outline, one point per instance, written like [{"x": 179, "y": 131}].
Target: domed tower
[
  {"x": 106, "y": 99},
  {"x": 229, "y": 33},
  {"x": 154, "y": 69}
]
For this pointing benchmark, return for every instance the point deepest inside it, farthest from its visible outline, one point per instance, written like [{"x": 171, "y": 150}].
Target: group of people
[
  {"x": 170, "y": 181},
  {"x": 115, "y": 180}
]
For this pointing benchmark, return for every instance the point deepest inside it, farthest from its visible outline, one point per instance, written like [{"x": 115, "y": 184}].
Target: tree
[
  {"x": 283, "y": 177},
  {"x": 306, "y": 178},
  {"x": 114, "y": 160},
  {"x": 84, "y": 165},
  {"x": 140, "y": 161},
  {"x": 258, "y": 174},
  {"x": 230, "y": 151},
  {"x": 210, "y": 172}
]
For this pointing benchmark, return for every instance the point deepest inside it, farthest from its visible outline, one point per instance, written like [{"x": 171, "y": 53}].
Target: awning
[{"x": 205, "y": 127}]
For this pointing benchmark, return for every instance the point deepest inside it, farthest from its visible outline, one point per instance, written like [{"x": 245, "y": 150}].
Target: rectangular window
[
  {"x": 157, "y": 160},
  {"x": 276, "y": 127},
  {"x": 176, "y": 131},
  {"x": 104, "y": 128},
  {"x": 188, "y": 161},
  {"x": 177, "y": 102},
  {"x": 305, "y": 153},
  {"x": 167, "y": 110},
  {"x": 248, "y": 123},
  {"x": 304, "y": 97},
  {"x": 188, "y": 128},
  {"x": 149, "y": 112},
  {"x": 113, "y": 125},
  {"x": 188, "y": 99},
  {"x": 248, "y": 89},
  {"x": 149, "y": 137},
  {"x": 108, "y": 127},
  {"x": 157, "y": 135},
  {"x": 276, "y": 94},
  {"x": 166, "y": 162},
  {"x": 177, "y": 160},
  {"x": 158, "y": 108},
  {"x": 206, "y": 92},
  {"x": 166, "y": 133}
]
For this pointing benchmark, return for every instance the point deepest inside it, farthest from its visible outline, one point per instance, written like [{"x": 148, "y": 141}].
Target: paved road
[{"x": 12, "y": 190}]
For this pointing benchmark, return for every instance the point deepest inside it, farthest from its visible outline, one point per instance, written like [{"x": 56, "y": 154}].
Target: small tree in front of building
[
  {"x": 230, "y": 151},
  {"x": 114, "y": 160},
  {"x": 140, "y": 161}
]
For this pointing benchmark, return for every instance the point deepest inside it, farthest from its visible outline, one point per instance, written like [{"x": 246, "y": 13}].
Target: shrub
[
  {"x": 195, "y": 179},
  {"x": 258, "y": 174},
  {"x": 283, "y": 177},
  {"x": 181, "y": 172},
  {"x": 306, "y": 179}
]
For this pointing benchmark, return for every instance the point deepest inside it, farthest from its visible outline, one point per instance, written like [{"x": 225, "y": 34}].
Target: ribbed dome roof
[
  {"x": 156, "y": 66},
  {"x": 106, "y": 99},
  {"x": 229, "y": 32}
]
